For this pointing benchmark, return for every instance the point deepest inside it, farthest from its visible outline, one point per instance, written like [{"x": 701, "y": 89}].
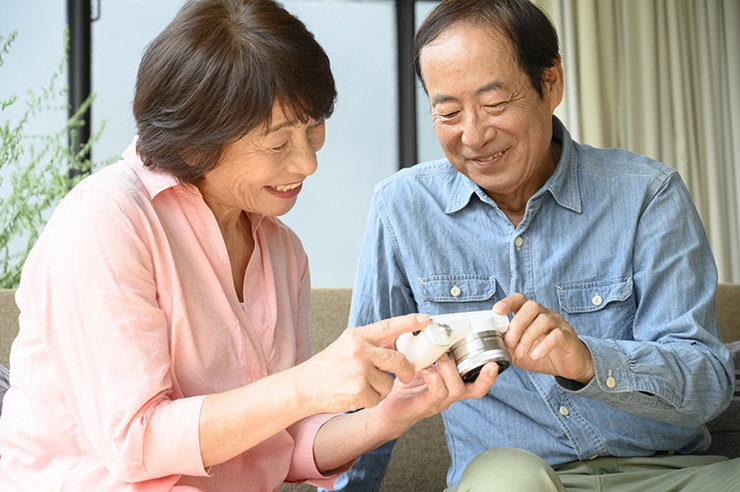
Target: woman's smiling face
[
  {"x": 263, "y": 172},
  {"x": 491, "y": 123}
]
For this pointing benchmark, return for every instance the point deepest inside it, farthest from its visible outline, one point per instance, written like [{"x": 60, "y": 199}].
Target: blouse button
[
  {"x": 455, "y": 291},
  {"x": 597, "y": 300}
]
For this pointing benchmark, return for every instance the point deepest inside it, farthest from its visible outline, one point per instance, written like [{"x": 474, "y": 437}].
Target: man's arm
[{"x": 675, "y": 369}]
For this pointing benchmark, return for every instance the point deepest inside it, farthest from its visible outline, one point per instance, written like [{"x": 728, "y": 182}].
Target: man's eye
[{"x": 280, "y": 147}]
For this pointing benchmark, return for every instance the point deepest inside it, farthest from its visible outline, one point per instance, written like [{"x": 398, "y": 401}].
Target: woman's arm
[
  {"x": 234, "y": 421},
  {"x": 347, "y": 436}
]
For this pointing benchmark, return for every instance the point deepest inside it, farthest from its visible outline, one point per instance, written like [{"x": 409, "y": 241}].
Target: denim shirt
[{"x": 614, "y": 244}]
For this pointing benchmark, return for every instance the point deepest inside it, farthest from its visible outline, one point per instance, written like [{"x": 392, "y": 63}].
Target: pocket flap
[
  {"x": 457, "y": 288},
  {"x": 591, "y": 296}
]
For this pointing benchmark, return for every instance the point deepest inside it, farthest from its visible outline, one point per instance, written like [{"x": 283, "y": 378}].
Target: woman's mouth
[
  {"x": 287, "y": 187},
  {"x": 286, "y": 191}
]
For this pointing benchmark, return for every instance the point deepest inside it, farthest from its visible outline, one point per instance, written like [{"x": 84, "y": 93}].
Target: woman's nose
[{"x": 304, "y": 159}]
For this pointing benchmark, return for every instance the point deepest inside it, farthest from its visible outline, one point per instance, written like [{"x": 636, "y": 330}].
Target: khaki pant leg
[
  {"x": 653, "y": 474},
  {"x": 509, "y": 469}
]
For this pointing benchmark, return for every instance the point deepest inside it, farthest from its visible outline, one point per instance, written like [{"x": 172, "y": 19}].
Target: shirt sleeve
[
  {"x": 381, "y": 289},
  {"x": 89, "y": 289},
  {"x": 676, "y": 370},
  {"x": 303, "y": 465}
]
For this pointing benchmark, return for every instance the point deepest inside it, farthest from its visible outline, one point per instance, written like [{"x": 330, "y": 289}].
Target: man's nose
[{"x": 476, "y": 130}]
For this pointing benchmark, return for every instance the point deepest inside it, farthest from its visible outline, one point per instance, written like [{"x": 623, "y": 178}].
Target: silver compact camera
[{"x": 472, "y": 338}]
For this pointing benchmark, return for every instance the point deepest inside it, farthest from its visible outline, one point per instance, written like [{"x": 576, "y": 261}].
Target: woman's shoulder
[{"x": 117, "y": 181}]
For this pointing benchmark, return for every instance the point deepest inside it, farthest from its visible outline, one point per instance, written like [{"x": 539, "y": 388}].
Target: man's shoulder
[
  {"x": 427, "y": 177},
  {"x": 617, "y": 162}
]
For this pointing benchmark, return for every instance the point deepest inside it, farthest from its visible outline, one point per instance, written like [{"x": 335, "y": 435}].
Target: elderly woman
[{"x": 164, "y": 311}]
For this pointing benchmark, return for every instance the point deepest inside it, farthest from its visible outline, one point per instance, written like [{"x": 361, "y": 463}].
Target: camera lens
[{"x": 475, "y": 350}]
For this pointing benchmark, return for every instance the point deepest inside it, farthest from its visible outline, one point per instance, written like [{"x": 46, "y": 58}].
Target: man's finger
[{"x": 510, "y": 304}]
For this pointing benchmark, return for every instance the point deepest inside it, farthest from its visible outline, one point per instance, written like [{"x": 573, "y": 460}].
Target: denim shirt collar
[{"x": 563, "y": 184}]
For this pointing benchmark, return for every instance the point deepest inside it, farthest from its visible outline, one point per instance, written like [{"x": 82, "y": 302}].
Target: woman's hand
[
  {"x": 355, "y": 371},
  {"x": 427, "y": 393},
  {"x": 432, "y": 391}
]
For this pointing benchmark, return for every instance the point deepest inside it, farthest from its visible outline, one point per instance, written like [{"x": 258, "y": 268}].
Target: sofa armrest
[{"x": 728, "y": 311}]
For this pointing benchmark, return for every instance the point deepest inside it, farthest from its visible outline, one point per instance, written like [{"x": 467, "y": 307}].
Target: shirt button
[
  {"x": 518, "y": 242},
  {"x": 455, "y": 291},
  {"x": 611, "y": 382},
  {"x": 564, "y": 411},
  {"x": 597, "y": 300}
]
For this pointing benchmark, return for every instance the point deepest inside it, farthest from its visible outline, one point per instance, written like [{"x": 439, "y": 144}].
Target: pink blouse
[{"x": 128, "y": 318}]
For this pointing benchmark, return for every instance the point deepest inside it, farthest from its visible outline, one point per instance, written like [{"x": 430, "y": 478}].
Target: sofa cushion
[{"x": 725, "y": 429}]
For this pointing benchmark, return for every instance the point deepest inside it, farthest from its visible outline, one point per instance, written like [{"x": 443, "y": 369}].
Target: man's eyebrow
[
  {"x": 493, "y": 86},
  {"x": 441, "y": 98}
]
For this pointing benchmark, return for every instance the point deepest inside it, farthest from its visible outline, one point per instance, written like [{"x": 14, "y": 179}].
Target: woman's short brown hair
[{"x": 213, "y": 74}]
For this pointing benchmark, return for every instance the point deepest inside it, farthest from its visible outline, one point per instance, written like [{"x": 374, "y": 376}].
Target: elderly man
[{"x": 598, "y": 257}]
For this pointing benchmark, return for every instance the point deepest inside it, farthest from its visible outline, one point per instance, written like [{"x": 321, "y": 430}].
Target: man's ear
[{"x": 552, "y": 84}]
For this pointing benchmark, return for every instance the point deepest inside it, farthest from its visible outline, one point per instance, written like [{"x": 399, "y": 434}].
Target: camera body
[{"x": 473, "y": 339}]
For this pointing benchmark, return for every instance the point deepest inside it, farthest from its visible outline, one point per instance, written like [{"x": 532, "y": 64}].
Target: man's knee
[{"x": 510, "y": 469}]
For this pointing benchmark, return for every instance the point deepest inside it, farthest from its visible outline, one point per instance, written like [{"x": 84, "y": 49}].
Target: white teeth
[{"x": 287, "y": 187}]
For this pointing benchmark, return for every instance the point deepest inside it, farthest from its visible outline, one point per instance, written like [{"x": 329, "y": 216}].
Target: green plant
[{"x": 38, "y": 166}]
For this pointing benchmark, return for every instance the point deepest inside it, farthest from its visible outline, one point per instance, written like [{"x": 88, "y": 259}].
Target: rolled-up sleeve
[{"x": 303, "y": 465}]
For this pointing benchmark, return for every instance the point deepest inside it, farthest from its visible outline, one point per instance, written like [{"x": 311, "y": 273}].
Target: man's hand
[{"x": 540, "y": 340}]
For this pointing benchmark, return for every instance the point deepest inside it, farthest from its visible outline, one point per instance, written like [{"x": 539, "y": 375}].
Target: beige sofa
[{"x": 420, "y": 459}]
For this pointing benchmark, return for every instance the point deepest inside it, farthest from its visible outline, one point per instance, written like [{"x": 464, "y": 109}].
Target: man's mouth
[{"x": 490, "y": 157}]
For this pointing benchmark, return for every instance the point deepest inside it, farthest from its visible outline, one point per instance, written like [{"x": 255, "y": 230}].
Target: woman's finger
[{"x": 385, "y": 332}]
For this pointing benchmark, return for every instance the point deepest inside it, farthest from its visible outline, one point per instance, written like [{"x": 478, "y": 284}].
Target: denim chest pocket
[
  {"x": 457, "y": 293},
  {"x": 599, "y": 307}
]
